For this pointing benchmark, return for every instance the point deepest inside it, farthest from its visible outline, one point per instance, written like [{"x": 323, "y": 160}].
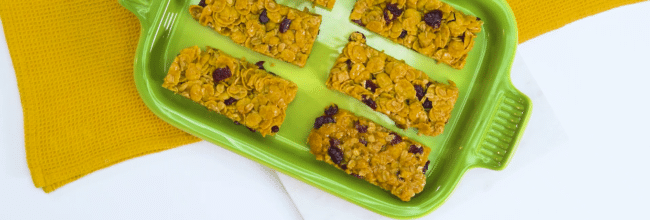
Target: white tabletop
[{"x": 583, "y": 155}]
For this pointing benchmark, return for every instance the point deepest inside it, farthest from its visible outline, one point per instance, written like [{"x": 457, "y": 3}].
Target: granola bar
[
  {"x": 264, "y": 26},
  {"x": 430, "y": 27},
  {"x": 369, "y": 151},
  {"x": 242, "y": 91},
  {"x": 325, "y": 3},
  {"x": 392, "y": 87}
]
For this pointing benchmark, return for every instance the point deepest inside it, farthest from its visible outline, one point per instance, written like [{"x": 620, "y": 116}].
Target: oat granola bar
[
  {"x": 242, "y": 91},
  {"x": 392, "y": 87},
  {"x": 264, "y": 26},
  {"x": 430, "y": 27},
  {"x": 325, "y": 3},
  {"x": 371, "y": 152}
]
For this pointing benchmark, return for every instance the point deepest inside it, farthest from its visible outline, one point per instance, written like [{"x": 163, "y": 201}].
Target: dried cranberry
[
  {"x": 349, "y": 63},
  {"x": 230, "y": 101},
  {"x": 369, "y": 102},
  {"x": 419, "y": 91},
  {"x": 371, "y": 86},
  {"x": 416, "y": 150},
  {"x": 284, "y": 25},
  {"x": 320, "y": 121},
  {"x": 361, "y": 128},
  {"x": 396, "y": 139},
  {"x": 220, "y": 74},
  {"x": 344, "y": 166},
  {"x": 260, "y": 65},
  {"x": 433, "y": 18},
  {"x": 275, "y": 129},
  {"x": 363, "y": 141},
  {"x": 427, "y": 104},
  {"x": 386, "y": 17},
  {"x": 426, "y": 167},
  {"x": 202, "y": 3},
  {"x": 403, "y": 34},
  {"x": 356, "y": 175},
  {"x": 332, "y": 110},
  {"x": 394, "y": 10},
  {"x": 359, "y": 23},
  {"x": 335, "y": 142},
  {"x": 335, "y": 153},
  {"x": 263, "y": 17}
]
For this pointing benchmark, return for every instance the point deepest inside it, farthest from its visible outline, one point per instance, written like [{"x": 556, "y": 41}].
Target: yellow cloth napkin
[
  {"x": 74, "y": 65},
  {"x": 535, "y": 17}
]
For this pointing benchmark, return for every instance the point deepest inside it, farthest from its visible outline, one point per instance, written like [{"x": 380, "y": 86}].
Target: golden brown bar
[
  {"x": 325, "y": 3},
  {"x": 264, "y": 26},
  {"x": 242, "y": 91},
  {"x": 371, "y": 152},
  {"x": 430, "y": 27},
  {"x": 390, "y": 86}
]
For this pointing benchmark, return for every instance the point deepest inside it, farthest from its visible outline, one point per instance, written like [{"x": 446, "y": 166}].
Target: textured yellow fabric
[
  {"x": 535, "y": 17},
  {"x": 74, "y": 65}
]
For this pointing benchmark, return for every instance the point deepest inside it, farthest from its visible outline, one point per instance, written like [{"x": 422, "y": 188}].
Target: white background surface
[{"x": 583, "y": 155}]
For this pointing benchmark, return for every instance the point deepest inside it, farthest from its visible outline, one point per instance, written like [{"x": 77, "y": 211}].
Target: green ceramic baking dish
[{"x": 485, "y": 127}]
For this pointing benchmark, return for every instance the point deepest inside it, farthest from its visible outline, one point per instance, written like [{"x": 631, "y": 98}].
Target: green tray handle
[
  {"x": 504, "y": 128},
  {"x": 141, "y": 8}
]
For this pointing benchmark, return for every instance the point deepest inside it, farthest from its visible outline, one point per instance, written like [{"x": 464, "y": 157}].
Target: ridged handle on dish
[
  {"x": 141, "y": 8},
  {"x": 503, "y": 131}
]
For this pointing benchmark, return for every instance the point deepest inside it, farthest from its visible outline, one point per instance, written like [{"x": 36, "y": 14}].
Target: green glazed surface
[{"x": 485, "y": 127}]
